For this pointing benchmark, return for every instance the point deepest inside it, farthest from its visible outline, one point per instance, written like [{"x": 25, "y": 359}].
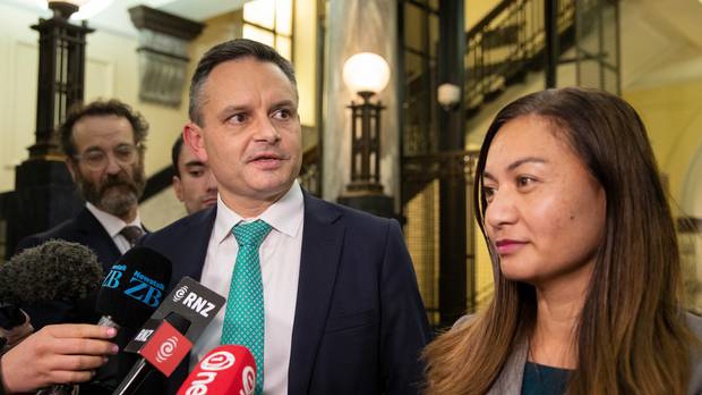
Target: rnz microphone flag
[{"x": 226, "y": 370}]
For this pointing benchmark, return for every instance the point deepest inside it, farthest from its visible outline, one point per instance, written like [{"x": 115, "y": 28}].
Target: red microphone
[{"x": 227, "y": 369}]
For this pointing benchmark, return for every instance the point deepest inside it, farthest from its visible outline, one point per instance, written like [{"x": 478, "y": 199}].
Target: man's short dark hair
[
  {"x": 232, "y": 50},
  {"x": 101, "y": 108},
  {"x": 175, "y": 153}
]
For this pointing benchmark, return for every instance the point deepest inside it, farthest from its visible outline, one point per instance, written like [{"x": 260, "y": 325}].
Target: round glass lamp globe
[{"x": 366, "y": 72}]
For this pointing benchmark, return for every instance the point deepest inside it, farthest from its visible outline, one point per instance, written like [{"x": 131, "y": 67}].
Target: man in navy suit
[
  {"x": 103, "y": 142},
  {"x": 342, "y": 310}
]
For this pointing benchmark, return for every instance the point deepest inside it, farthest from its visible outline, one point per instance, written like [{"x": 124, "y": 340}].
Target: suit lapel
[
  {"x": 96, "y": 236},
  {"x": 189, "y": 257},
  {"x": 321, "y": 248}
]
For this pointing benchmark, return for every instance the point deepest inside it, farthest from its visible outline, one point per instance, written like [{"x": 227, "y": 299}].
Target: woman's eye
[
  {"x": 488, "y": 193},
  {"x": 524, "y": 181}
]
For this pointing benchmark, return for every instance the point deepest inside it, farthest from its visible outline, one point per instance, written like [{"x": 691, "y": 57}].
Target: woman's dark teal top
[{"x": 544, "y": 380}]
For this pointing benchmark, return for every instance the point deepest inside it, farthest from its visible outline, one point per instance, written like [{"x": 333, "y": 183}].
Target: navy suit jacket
[
  {"x": 359, "y": 324},
  {"x": 86, "y": 230}
]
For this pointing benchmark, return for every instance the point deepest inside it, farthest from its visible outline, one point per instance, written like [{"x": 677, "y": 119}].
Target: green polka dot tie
[{"x": 244, "y": 320}]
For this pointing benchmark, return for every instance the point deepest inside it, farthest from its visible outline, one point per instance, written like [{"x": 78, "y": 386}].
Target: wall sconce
[
  {"x": 366, "y": 74},
  {"x": 448, "y": 95}
]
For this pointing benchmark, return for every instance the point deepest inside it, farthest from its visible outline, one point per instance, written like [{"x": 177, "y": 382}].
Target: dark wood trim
[
  {"x": 689, "y": 224},
  {"x": 144, "y": 17},
  {"x": 157, "y": 183}
]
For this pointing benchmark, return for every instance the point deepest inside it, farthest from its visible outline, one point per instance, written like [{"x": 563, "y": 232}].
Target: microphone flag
[
  {"x": 166, "y": 348},
  {"x": 227, "y": 369}
]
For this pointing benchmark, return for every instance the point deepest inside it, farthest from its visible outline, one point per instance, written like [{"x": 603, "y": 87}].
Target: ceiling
[
  {"x": 661, "y": 39},
  {"x": 115, "y": 18}
]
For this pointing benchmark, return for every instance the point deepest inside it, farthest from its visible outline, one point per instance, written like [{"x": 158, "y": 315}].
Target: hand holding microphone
[
  {"x": 55, "y": 270},
  {"x": 67, "y": 353},
  {"x": 59, "y": 270}
]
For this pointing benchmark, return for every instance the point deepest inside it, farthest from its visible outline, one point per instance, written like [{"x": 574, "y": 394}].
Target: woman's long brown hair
[{"x": 631, "y": 335}]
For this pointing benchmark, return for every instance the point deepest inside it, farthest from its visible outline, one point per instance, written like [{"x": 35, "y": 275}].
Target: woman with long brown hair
[{"x": 585, "y": 260}]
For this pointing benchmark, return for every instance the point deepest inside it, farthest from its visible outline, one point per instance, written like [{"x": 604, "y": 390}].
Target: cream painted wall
[
  {"x": 475, "y": 10},
  {"x": 673, "y": 116},
  {"x": 111, "y": 71},
  {"x": 305, "y": 58}
]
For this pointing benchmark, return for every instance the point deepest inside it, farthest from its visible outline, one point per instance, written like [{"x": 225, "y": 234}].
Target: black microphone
[
  {"x": 133, "y": 288},
  {"x": 164, "y": 341},
  {"x": 54, "y": 270}
]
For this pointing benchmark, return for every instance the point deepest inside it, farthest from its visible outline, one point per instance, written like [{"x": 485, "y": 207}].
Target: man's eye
[
  {"x": 124, "y": 153},
  {"x": 94, "y": 156},
  {"x": 283, "y": 114},
  {"x": 195, "y": 173},
  {"x": 238, "y": 118}
]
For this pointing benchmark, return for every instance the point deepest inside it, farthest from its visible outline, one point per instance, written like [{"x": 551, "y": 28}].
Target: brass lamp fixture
[{"x": 366, "y": 74}]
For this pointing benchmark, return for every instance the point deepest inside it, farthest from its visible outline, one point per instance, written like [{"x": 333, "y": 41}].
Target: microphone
[
  {"x": 133, "y": 288},
  {"x": 227, "y": 369},
  {"x": 163, "y": 351},
  {"x": 54, "y": 270},
  {"x": 167, "y": 337}
]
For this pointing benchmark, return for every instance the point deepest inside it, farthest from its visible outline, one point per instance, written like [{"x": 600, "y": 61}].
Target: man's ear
[
  {"x": 72, "y": 166},
  {"x": 178, "y": 187},
  {"x": 192, "y": 135}
]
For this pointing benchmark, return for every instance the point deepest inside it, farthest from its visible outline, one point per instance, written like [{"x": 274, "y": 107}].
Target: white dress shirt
[
  {"x": 280, "y": 269},
  {"x": 113, "y": 225}
]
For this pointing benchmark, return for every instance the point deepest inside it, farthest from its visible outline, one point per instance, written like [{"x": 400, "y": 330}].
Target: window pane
[
  {"x": 283, "y": 17},
  {"x": 260, "y": 35},
  {"x": 284, "y": 47},
  {"x": 260, "y": 12}
]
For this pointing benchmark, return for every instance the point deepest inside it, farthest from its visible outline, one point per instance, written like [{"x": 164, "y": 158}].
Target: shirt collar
[
  {"x": 112, "y": 224},
  {"x": 285, "y": 215}
]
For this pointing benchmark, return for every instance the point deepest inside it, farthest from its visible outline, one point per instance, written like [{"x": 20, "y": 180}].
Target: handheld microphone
[
  {"x": 133, "y": 288},
  {"x": 163, "y": 350},
  {"x": 54, "y": 270},
  {"x": 227, "y": 369},
  {"x": 163, "y": 342}
]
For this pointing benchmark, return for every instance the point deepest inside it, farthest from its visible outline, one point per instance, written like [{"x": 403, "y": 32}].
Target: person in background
[
  {"x": 585, "y": 258},
  {"x": 324, "y": 296},
  {"x": 193, "y": 182},
  {"x": 104, "y": 146}
]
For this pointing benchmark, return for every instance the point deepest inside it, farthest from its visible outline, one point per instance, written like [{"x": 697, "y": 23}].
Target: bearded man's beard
[{"x": 118, "y": 194}]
